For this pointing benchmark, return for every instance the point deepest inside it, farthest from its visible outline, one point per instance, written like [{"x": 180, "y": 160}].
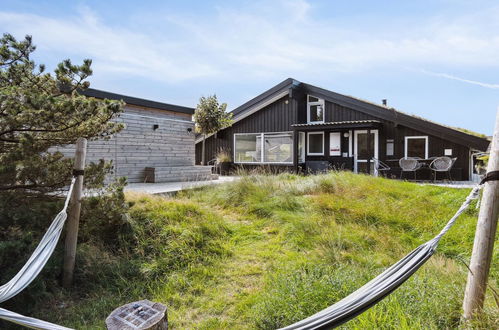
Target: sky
[{"x": 436, "y": 59}]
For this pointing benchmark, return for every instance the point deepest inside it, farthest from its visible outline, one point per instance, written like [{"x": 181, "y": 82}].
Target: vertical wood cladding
[
  {"x": 335, "y": 112},
  {"x": 279, "y": 116},
  {"x": 276, "y": 117}
]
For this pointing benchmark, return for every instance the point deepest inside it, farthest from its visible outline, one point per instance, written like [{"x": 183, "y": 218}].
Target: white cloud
[
  {"x": 261, "y": 39},
  {"x": 112, "y": 49}
]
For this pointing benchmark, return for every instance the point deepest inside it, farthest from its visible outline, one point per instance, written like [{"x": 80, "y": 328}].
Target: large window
[
  {"x": 315, "y": 109},
  {"x": 248, "y": 148},
  {"x": 315, "y": 145},
  {"x": 416, "y": 146},
  {"x": 278, "y": 148},
  {"x": 263, "y": 148}
]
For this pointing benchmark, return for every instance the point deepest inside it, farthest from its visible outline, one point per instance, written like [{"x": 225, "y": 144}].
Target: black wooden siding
[
  {"x": 276, "y": 117},
  {"x": 279, "y": 116}
]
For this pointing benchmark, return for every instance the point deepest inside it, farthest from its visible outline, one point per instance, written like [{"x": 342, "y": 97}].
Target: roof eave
[{"x": 130, "y": 100}]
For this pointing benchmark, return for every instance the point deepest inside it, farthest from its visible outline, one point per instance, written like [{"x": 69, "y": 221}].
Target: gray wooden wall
[{"x": 138, "y": 145}]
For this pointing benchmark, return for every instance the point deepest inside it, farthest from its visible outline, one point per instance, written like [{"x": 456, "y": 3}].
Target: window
[
  {"x": 416, "y": 146},
  {"x": 315, "y": 110},
  {"x": 389, "y": 147},
  {"x": 263, "y": 148},
  {"x": 278, "y": 148},
  {"x": 248, "y": 148},
  {"x": 301, "y": 147},
  {"x": 315, "y": 146}
]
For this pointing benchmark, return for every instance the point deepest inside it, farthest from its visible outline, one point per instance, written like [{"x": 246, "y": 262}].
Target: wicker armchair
[
  {"x": 409, "y": 165},
  {"x": 442, "y": 164}
]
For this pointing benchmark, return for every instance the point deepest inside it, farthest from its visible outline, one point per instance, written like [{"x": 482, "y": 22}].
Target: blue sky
[{"x": 436, "y": 59}]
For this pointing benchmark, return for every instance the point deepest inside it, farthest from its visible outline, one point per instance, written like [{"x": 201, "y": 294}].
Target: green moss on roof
[{"x": 467, "y": 131}]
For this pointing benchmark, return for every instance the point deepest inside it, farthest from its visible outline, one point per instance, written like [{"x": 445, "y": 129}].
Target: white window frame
[
  {"x": 302, "y": 137},
  {"x": 262, "y": 151},
  {"x": 425, "y": 137},
  {"x": 392, "y": 142},
  {"x": 234, "y": 151},
  {"x": 321, "y": 103},
  {"x": 308, "y": 144},
  {"x": 356, "y": 160}
]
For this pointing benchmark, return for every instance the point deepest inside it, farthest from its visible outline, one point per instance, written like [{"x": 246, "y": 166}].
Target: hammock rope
[
  {"x": 382, "y": 285},
  {"x": 33, "y": 267}
]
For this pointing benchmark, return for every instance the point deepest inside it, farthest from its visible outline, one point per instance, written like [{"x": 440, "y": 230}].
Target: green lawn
[{"x": 266, "y": 251}]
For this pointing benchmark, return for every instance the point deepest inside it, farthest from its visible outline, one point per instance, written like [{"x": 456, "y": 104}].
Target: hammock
[
  {"x": 32, "y": 268},
  {"x": 382, "y": 285},
  {"x": 344, "y": 310}
]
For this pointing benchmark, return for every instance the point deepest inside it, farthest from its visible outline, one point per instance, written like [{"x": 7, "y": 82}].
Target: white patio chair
[
  {"x": 380, "y": 167},
  {"x": 215, "y": 166},
  {"x": 409, "y": 165},
  {"x": 442, "y": 164}
]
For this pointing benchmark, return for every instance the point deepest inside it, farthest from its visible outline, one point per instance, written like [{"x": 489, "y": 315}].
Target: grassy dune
[{"x": 266, "y": 251}]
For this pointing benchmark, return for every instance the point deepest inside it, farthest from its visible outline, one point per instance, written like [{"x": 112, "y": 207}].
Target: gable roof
[
  {"x": 281, "y": 88},
  {"x": 398, "y": 117},
  {"x": 376, "y": 110},
  {"x": 136, "y": 101}
]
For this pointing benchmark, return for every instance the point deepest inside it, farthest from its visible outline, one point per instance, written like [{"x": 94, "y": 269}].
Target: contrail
[{"x": 474, "y": 82}]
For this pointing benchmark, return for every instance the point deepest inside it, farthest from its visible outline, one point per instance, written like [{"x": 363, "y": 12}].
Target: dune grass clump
[{"x": 170, "y": 235}]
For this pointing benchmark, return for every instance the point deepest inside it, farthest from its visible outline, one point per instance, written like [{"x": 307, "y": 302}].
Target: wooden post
[
  {"x": 74, "y": 215},
  {"x": 484, "y": 237},
  {"x": 203, "y": 151}
]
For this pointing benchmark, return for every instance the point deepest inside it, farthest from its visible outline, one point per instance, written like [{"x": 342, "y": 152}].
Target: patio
[{"x": 173, "y": 187}]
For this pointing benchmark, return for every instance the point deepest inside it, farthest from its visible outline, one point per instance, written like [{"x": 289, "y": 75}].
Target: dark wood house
[{"x": 296, "y": 126}]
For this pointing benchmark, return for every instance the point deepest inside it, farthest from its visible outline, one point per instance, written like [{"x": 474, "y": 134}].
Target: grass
[{"x": 268, "y": 250}]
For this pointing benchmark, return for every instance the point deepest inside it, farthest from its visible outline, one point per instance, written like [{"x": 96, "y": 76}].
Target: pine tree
[{"x": 40, "y": 111}]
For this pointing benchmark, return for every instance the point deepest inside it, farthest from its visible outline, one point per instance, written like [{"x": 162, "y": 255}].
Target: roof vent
[{"x": 384, "y": 102}]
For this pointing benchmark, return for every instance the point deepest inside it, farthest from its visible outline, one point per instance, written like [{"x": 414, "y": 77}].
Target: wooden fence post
[
  {"x": 74, "y": 215},
  {"x": 483, "y": 246}
]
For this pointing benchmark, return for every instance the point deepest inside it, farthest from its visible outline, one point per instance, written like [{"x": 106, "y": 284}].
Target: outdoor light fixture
[
  {"x": 155, "y": 126},
  {"x": 189, "y": 129},
  {"x": 346, "y": 134}
]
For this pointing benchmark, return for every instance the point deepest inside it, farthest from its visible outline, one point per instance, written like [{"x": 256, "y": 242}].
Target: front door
[{"x": 365, "y": 148}]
